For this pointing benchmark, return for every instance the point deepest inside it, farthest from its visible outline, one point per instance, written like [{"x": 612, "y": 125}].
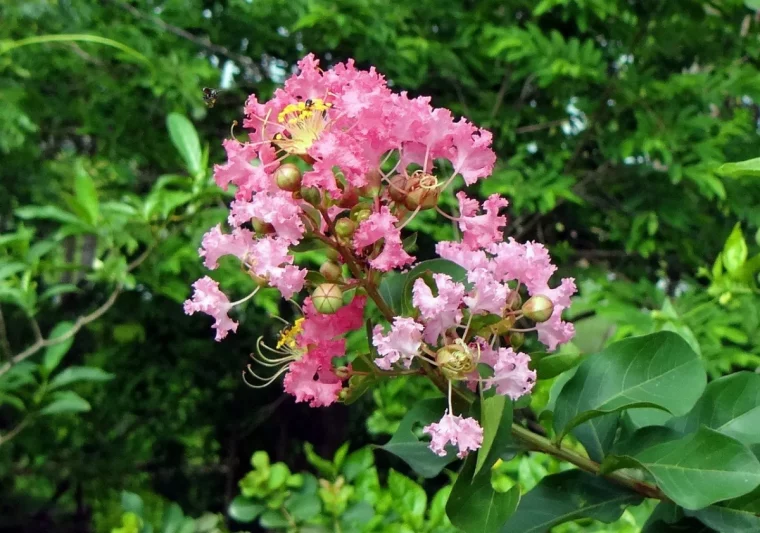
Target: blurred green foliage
[{"x": 615, "y": 122}]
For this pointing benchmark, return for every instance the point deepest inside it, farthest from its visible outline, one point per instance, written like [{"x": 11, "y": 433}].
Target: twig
[
  {"x": 15, "y": 431},
  {"x": 542, "y": 126},
  {"x": 502, "y": 91},
  {"x": 199, "y": 41}
]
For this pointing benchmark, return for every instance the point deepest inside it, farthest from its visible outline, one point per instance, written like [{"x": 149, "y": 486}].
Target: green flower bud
[
  {"x": 288, "y": 177},
  {"x": 327, "y": 298},
  {"x": 516, "y": 339},
  {"x": 360, "y": 213},
  {"x": 332, "y": 254},
  {"x": 345, "y": 227},
  {"x": 343, "y": 372},
  {"x": 514, "y": 301},
  {"x": 311, "y": 195},
  {"x": 374, "y": 181},
  {"x": 455, "y": 360},
  {"x": 331, "y": 271},
  {"x": 538, "y": 308}
]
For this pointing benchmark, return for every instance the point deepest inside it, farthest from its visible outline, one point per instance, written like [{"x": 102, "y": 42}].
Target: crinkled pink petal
[
  {"x": 278, "y": 209},
  {"x": 487, "y": 295},
  {"x": 471, "y": 154},
  {"x": 216, "y": 244},
  {"x": 511, "y": 375},
  {"x": 462, "y": 255},
  {"x": 528, "y": 263},
  {"x": 464, "y": 433},
  {"x": 339, "y": 149},
  {"x": 207, "y": 298},
  {"x": 481, "y": 231},
  {"x": 289, "y": 280},
  {"x": 312, "y": 380},
  {"x": 319, "y": 327},
  {"x": 322, "y": 177},
  {"x": 402, "y": 343},
  {"x": 379, "y": 225},
  {"x": 392, "y": 256},
  {"x": 438, "y": 312},
  {"x": 268, "y": 255},
  {"x": 554, "y": 331}
]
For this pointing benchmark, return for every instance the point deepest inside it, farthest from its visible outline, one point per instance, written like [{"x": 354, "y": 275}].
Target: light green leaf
[
  {"x": 173, "y": 519},
  {"x": 132, "y": 503},
  {"x": 9, "y": 269},
  {"x": 66, "y": 402},
  {"x": 694, "y": 471},
  {"x": 49, "y": 212},
  {"x": 567, "y": 496},
  {"x": 55, "y": 352},
  {"x": 73, "y": 374},
  {"x": 727, "y": 520},
  {"x": 731, "y": 405},
  {"x": 86, "y": 194},
  {"x": 412, "y": 450},
  {"x": 474, "y": 507},
  {"x": 658, "y": 370},
  {"x": 244, "y": 509},
  {"x": 735, "y": 250},
  {"x": 185, "y": 139},
  {"x": 749, "y": 168}
]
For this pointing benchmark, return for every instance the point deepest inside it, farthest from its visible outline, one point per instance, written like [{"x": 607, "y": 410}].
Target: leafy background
[{"x": 611, "y": 120}]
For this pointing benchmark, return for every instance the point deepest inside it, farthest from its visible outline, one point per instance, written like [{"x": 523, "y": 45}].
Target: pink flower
[
  {"x": 402, "y": 343},
  {"x": 277, "y": 208},
  {"x": 554, "y": 331},
  {"x": 216, "y": 244},
  {"x": 392, "y": 256},
  {"x": 240, "y": 171},
  {"x": 462, "y": 255},
  {"x": 528, "y": 263},
  {"x": 379, "y": 225},
  {"x": 480, "y": 231},
  {"x": 339, "y": 149},
  {"x": 472, "y": 155},
  {"x": 269, "y": 259},
  {"x": 487, "y": 295},
  {"x": 207, "y": 298},
  {"x": 439, "y": 312},
  {"x": 320, "y": 327},
  {"x": 464, "y": 433},
  {"x": 289, "y": 280},
  {"x": 511, "y": 374},
  {"x": 311, "y": 378}
]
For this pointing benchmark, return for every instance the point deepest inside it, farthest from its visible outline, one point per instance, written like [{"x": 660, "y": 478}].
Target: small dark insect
[
  {"x": 209, "y": 96},
  {"x": 308, "y": 103}
]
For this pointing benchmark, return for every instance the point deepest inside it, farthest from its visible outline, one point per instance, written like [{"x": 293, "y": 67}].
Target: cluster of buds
[{"x": 338, "y": 159}]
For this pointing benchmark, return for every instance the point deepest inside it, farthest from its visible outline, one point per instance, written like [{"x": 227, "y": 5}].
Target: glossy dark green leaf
[
  {"x": 658, "y": 370},
  {"x": 727, "y": 520},
  {"x": 55, "y": 352},
  {"x": 474, "y": 507},
  {"x": 731, "y": 405},
  {"x": 566, "y": 496},
  {"x": 411, "y": 449},
  {"x": 694, "y": 471},
  {"x": 392, "y": 290},
  {"x": 552, "y": 365},
  {"x": 432, "y": 266},
  {"x": 496, "y": 420},
  {"x": 245, "y": 509}
]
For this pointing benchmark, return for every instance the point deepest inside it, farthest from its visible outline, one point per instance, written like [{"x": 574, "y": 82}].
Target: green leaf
[
  {"x": 731, "y": 405},
  {"x": 474, "y": 507},
  {"x": 273, "y": 519},
  {"x": 392, "y": 290},
  {"x": 496, "y": 419},
  {"x": 412, "y": 450},
  {"x": 323, "y": 466},
  {"x": 9, "y": 269},
  {"x": 749, "y": 168},
  {"x": 131, "y": 503},
  {"x": 357, "y": 462},
  {"x": 552, "y": 365},
  {"x": 735, "y": 250},
  {"x": 658, "y": 370},
  {"x": 173, "y": 519},
  {"x": 185, "y": 140},
  {"x": 86, "y": 194},
  {"x": 727, "y": 520},
  {"x": 57, "y": 290},
  {"x": 694, "y": 471},
  {"x": 304, "y": 507},
  {"x": 50, "y": 212},
  {"x": 55, "y": 352},
  {"x": 567, "y": 496},
  {"x": 11, "y": 399},
  {"x": 73, "y": 374},
  {"x": 66, "y": 402}
]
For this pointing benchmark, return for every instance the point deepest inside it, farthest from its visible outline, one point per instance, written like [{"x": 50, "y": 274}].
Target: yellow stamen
[
  {"x": 305, "y": 122},
  {"x": 288, "y": 336}
]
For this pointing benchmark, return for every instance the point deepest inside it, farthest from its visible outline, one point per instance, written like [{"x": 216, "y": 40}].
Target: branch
[
  {"x": 199, "y": 41},
  {"x": 4, "y": 343},
  {"x": 15, "y": 431},
  {"x": 542, "y": 126}
]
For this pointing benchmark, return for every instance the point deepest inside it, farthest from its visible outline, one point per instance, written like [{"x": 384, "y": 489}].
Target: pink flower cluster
[{"x": 336, "y": 157}]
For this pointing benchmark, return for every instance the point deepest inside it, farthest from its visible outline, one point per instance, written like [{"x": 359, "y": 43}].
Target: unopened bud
[
  {"x": 349, "y": 198},
  {"x": 331, "y": 271},
  {"x": 261, "y": 227},
  {"x": 327, "y": 298},
  {"x": 397, "y": 188},
  {"x": 288, "y": 177},
  {"x": 455, "y": 360},
  {"x": 345, "y": 227},
  {"x": 360, "y": 213},
  {"x": 342, "y": 372},
  {"x": 311, "y": 195},
  {"x": 332, "y": 254},
  {"x": 516, "y": 339},
  {"x": 422, "y": 191},
  {"x": 514, "y": 301},
  {"x": 374, "y": 181},
  {"x": 538, "y": 308},
  {"x": 342, "y": 397}
]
